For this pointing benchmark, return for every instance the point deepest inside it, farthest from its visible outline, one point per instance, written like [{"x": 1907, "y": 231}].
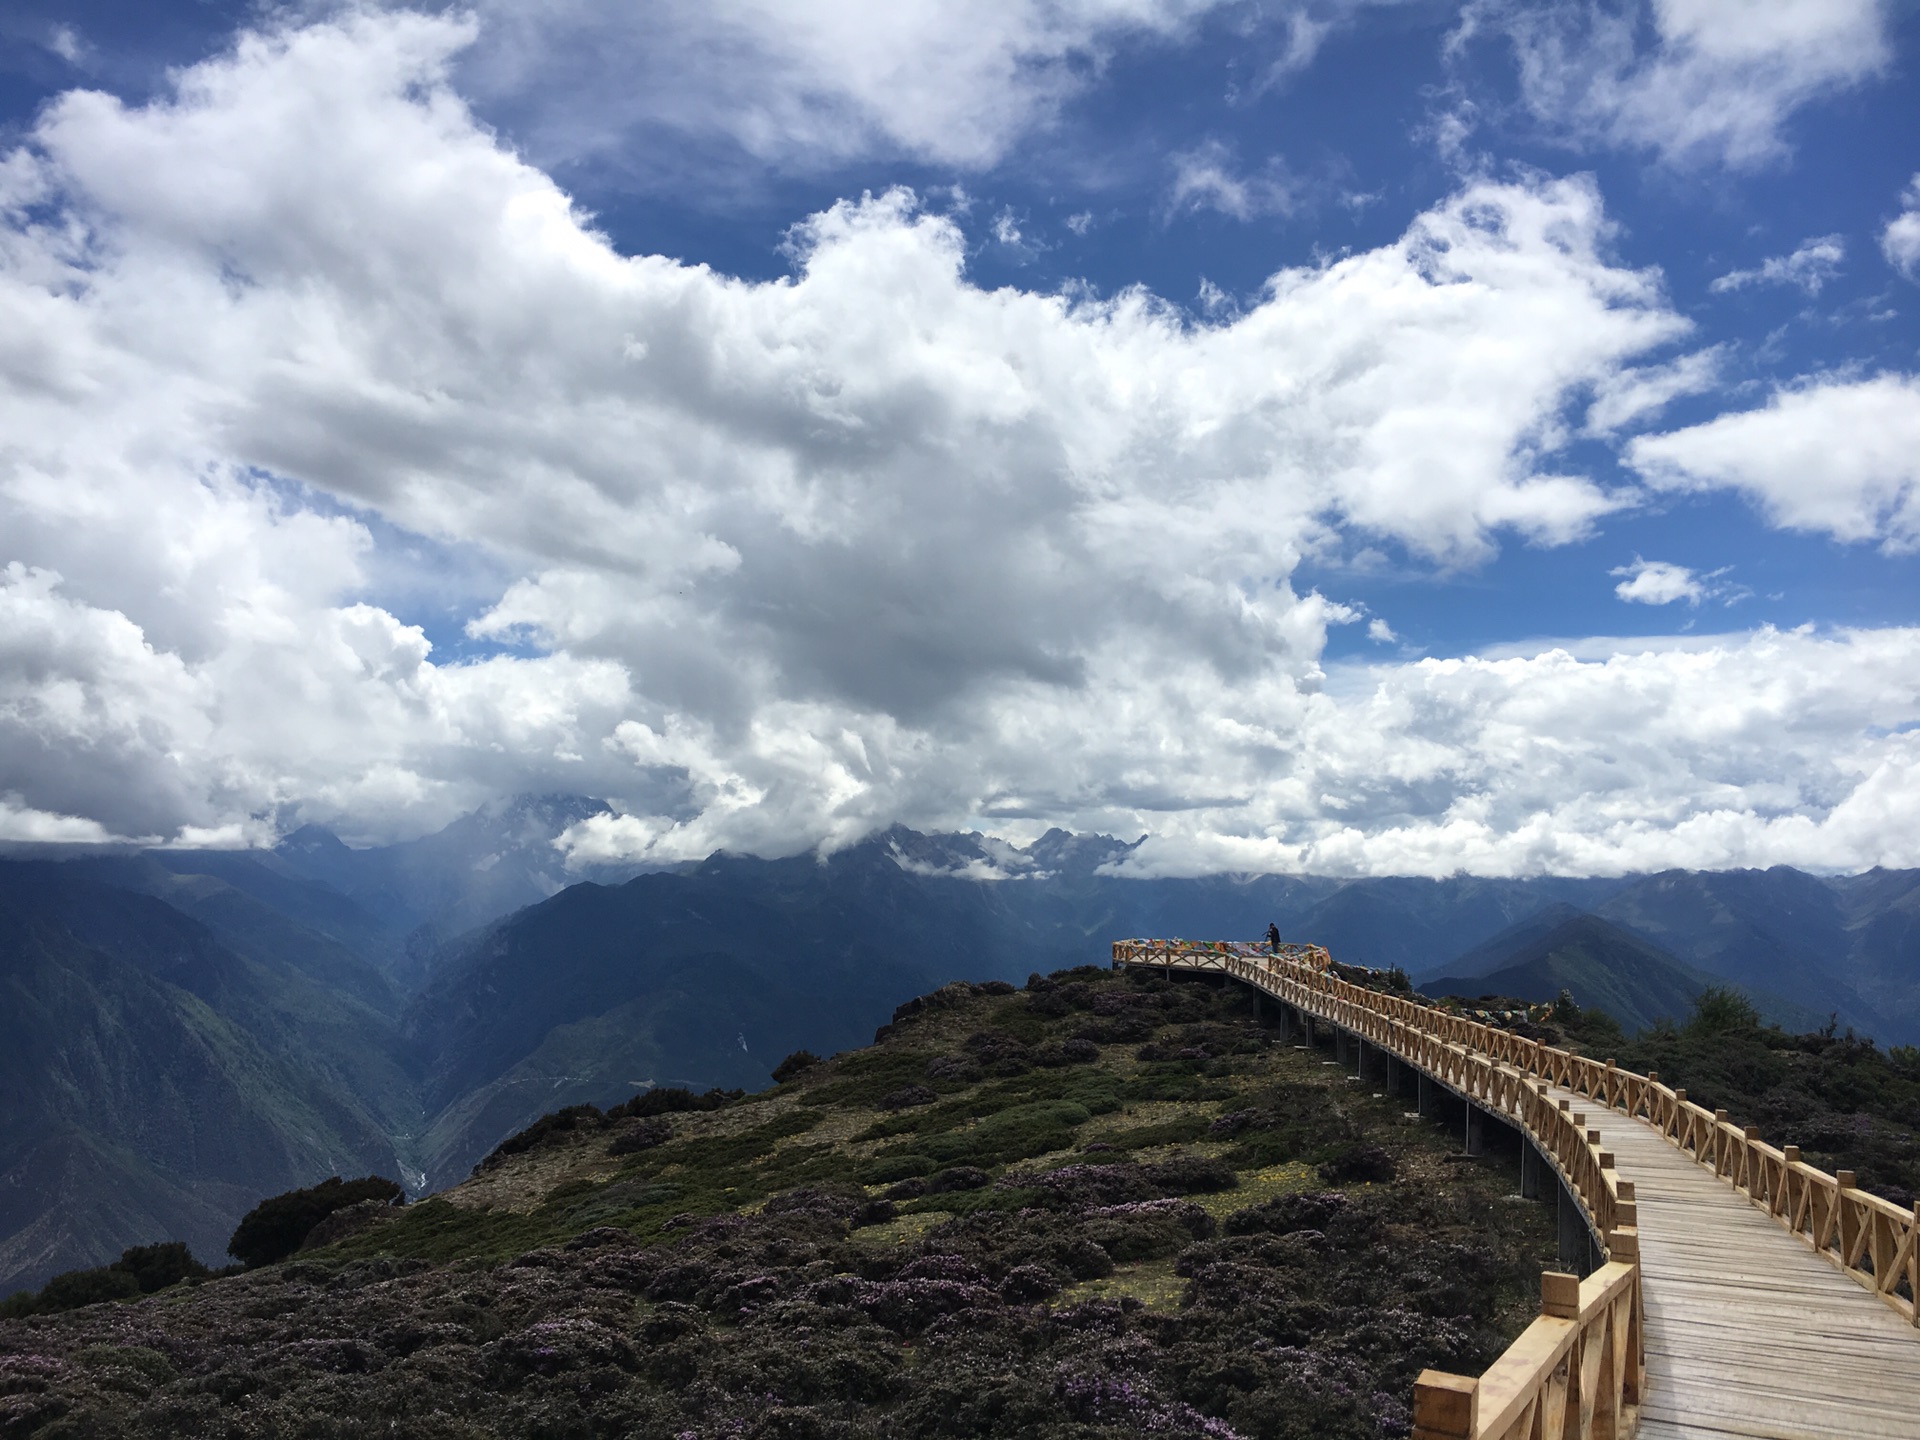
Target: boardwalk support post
[
  {"x": 1472, "y": 1143},
  {"x": 1530, "y": 1167},
  {"x": 1424, "y": 1089},
  {"x": 1576, "y": 1245}
]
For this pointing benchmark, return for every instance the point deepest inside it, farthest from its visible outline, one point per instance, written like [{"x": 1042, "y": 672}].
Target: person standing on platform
[{"x": 1273, "y": 937}]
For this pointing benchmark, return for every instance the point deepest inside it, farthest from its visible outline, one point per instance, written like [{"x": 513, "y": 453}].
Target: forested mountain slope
[
  {"x": 155, "y": 1082},
  {"x": 1564, "y": 950}
]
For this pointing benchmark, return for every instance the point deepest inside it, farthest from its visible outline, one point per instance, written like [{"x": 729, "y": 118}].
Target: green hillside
[
  {"x": 1104, "y": 1205},
  {"x": 1601, "y": 965}
]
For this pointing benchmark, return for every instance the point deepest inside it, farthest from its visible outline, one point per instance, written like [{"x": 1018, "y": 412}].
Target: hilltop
[{"x": 1103, "y": 1204}]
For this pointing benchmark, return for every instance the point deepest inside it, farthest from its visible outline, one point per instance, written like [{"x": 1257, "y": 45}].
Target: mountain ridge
[
  {"x": 706, "y": 973},
  {"x": 1602, "y": 966}
]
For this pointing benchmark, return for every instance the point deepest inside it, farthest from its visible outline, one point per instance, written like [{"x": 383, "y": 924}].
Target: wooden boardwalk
[
  {"x": 1745, "y": 1294},
  {"x": 1748, "y": 1332}
]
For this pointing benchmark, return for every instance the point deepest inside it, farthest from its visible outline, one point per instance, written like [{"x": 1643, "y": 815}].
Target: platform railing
[{"x": 1577, "y": 1371}]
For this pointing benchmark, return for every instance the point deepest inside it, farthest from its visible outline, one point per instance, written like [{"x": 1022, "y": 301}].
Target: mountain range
[
  {"x": 187, "y": 1031},
  {"x": 1603, "y": 966}
]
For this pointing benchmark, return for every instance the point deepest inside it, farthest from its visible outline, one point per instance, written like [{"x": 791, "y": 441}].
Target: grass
[{"x": 1152, "y": 1282}]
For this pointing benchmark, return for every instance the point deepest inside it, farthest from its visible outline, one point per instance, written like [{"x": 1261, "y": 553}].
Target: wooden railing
[
  {"x": 1576, "y": 1371},
  {"x": 1586, "y": 1350}
]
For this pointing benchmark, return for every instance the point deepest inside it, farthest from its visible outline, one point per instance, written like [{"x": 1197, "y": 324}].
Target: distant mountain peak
[
  {"x": 973, "y": 856},
  {"x": 312, "y": 840}
]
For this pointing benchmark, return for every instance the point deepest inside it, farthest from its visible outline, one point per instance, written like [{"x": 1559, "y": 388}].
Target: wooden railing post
[
  {"x": 1849, "y": 1218},
  {"x": 1913, "y": 1267},
  {"x": 1445, "y": 1407},
  {"x": 1624, "y": 1245}
]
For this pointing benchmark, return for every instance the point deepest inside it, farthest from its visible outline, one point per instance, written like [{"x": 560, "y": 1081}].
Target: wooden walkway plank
[{"x": 1750, "y": 1335}]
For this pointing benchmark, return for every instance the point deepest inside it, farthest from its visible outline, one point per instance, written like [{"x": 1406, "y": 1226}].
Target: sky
[{"x": 1343, "y": 436}]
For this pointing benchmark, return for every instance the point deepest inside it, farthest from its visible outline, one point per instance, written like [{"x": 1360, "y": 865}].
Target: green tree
[
  {"x": 274, "y": 1228},
  {"x": 1719, "y": 1009}
]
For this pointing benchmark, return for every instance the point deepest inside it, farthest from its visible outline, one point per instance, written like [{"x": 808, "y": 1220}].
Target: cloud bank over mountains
[{"x": 773, "y": 564}]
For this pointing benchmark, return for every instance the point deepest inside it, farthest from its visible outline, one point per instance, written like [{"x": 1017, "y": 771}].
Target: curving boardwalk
[{"x": 1744, "y": 1293}]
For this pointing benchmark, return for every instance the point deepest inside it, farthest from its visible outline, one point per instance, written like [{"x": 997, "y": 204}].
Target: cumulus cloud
[
  {"x": 1730, "y": 751},
  {"x": 808, "y": 86},
  {"x": 1836, "y": 457},
  {"x": 1808, "y": 268},
  {"x": 803, "y": 85},
  {"x": 788, "y": 561},
  {"x": 1696, "y": 81},
  {"x": 1658, "y": 582},
  {"x": 1900, "y": 241}
]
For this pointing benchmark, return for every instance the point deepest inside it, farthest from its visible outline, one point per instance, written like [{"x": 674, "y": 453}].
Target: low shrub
[
  {"x": 1191, "y": 1175},
  {"x": 1358, "y": 1164},
  {"x": 953, "y": 1070},
  {"x": 653, "y": 1131},
  {"x": 798, "y": 1063},
  {"x": 885, "y": 1169},
  {"x": 71, "y": 1290},
  {"x": 1286, "y": 1214},
  {"x": 547, "y": 1130},
  {"x": 998, "y": 1053},
  {"x": 1075, "y": 1051},
  {"x": 671, "y": 1100},
  {"x": 1168, "y": 1132},
  {"x": 957, "y": 1177}
]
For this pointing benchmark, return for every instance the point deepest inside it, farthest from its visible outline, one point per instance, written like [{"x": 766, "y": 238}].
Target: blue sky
[{"x": 1327, "y": 435}]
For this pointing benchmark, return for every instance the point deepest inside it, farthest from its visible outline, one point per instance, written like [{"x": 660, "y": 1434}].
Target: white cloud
[
  {"x": 1627, "y": 396},
  {"x": 1207, "y": 178},
  {"x": 806, "y": 86},
  {"x": 1900, "y": 241},
  {"x": 1839, "y": 457},
  {"x": 1808, "y": 268},
  {"x": 1658, "y": 582},
  {"x": 1731, "y": 751},
  {"x": 794, "y": 560},
  {"x": 1697, "y": 81},
  {"x": 1380, "y": 632},
  {"x": 67, "y": 43},
  {"x": 955, "y": 82}
]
